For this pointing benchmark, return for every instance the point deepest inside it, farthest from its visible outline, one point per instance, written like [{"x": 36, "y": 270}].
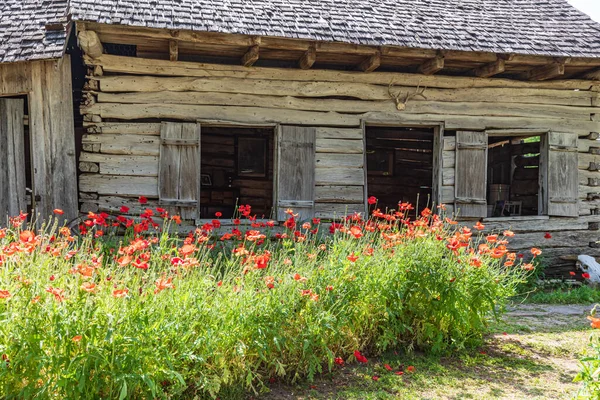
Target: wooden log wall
[
  {"x": 47, "y": 85},
  {"x": 125, "y": 93}
]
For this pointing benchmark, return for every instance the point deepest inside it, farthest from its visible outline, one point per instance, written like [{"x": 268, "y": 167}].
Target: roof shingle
[{"x": 535, "y": 27}]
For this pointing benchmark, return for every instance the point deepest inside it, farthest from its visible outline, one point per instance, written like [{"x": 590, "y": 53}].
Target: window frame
[
  {"x": 230, "y": 124},
  {"x": 542, "y": 173}
]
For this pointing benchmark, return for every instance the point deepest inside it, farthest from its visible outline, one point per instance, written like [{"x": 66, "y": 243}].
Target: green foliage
[
  {"x": 566, "y": 295},
  {"x": 589, "y": 374},
  {"x": 221, "y": 316}
]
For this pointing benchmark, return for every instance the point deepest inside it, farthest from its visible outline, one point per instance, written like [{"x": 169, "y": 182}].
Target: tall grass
[{"x": 144, "y": 314}]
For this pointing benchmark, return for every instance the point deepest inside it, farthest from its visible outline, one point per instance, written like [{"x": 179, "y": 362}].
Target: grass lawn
[{"x": 531, "y": 354}]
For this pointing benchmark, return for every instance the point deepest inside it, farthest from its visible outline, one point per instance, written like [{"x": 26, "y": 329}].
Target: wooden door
[
  {"x": 12, "y": 158},
  {"x": 179, "y": 169},
  {"x": 296, "y": 171},
  {"x": 471, "y": 174},
  {"x": 559, "y": 182}
]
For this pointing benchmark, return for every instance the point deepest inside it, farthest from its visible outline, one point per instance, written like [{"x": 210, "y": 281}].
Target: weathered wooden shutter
[
  {"x": 12, "y": 158},
  {"x": 471, "y": 174},
  {"x": 558, "y": 174},
  {"x": 296, "y": 171},
  {"x": 179, "y": 170}
]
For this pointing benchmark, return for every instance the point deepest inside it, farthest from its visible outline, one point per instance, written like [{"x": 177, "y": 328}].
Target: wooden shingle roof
[
  {"x": 32, "y": 29},
  {"x": 534, "y": 27}
]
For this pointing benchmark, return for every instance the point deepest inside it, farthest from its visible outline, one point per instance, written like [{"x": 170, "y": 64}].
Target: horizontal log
[
  {"x": 118, "y": 185},
  {"x": 195, "y": 95},
  {"x": 339, "y": 194},
  {"x": 479, "y": 123},
  {"x": 132, "y": 128},
  {"x": 576, "y": 238},
  {"x": 342, "y": 146},
  {"x": 340, "y": 176},
  {"x": 528, "y": 225},
  {"x": 141, "y": 66},
  {"x": 247, "y": 115},
  {"x": 332, "y": 160}
]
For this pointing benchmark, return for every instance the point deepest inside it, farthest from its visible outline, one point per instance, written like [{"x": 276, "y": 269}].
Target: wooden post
[
  {"x": 371, "y": 64},
  {"x": 491, "y": 69},
  {"x": 309, "y": 57},
  {"x": 252, "y": 54},
  {"x": 432, "y": 66},
  {"x": 173, "y": 50}
]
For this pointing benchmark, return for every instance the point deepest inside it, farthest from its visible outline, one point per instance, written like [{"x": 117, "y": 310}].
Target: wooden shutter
[
  {"x": 179, "y": 170},
  {"x": 296, "y": 171},
  {"x": 558, "y": 175},
  {"x": 471, "y": 174},
  {"x": 12, "y": 158}
]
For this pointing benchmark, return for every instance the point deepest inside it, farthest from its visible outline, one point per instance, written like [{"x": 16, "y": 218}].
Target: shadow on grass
[{"x": 504, "y": 368}]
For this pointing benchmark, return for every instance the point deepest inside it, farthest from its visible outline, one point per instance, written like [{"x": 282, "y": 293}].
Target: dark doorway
[
  {"x": 236, "y": 169},
  {"x": 400, "y": 165}
]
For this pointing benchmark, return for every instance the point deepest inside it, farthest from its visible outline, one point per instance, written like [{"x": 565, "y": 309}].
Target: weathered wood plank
[
  {"x": 332, "y": 160},
  {"x": 339, "y": 194},
  {"x": 524, "y": 225},
  {"x": 342, "y": 146},
  {"x": 339, "y": 133},
  {"x": 131, "y": 128},
  {"x": 330, "y": 210},
  {"x": 141, "y": 66},
  {"x": 296, "y": 171},
  {"x": 277, "y": 99},
  {"x": 562, "y": 182},
  {"x": 119, "y": 185},
  {"x": 247, "y": 115},
  {"x": 339, "y": 176},
  {"x": 12, "y": 158},
  {"x": 471, "y": 176}
]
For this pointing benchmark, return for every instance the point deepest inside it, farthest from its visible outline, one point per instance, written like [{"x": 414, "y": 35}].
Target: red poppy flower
[
  {"x": 375, "y": 378},
  {"x": 387, "y": 366},
  {"x": 372, "y": 200},
  {"x": 410, "y": 369},
  {"x": 4, "y": 294},
  {"x": 572, "y": 273},
  {"x": 479, "y": 226},
  {"x": 58, "y": 211},
  {"x": 548, "y": 235},
  {"x": 339, "y": 361},
  {"x": 535, "y": 251},
  {"x": 585, "y": 275},
  {"x": 359, "y": 357},
  {"x": 508, "y": 233},
  {"x": 399, "y": 372},
  {"x": 77, "y": 338},
  {"x": 352, "y": 257},
  {"x": 218, "y": 214},
  {"x": 120, "y": 293},
  {"x": 595, "y": 322}
]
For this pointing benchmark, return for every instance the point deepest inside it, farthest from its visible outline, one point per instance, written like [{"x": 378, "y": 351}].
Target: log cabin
[{"x": 489, "y": 107}]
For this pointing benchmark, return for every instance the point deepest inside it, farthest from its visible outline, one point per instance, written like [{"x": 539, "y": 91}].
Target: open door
[{"x": 12, "y": 158}]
